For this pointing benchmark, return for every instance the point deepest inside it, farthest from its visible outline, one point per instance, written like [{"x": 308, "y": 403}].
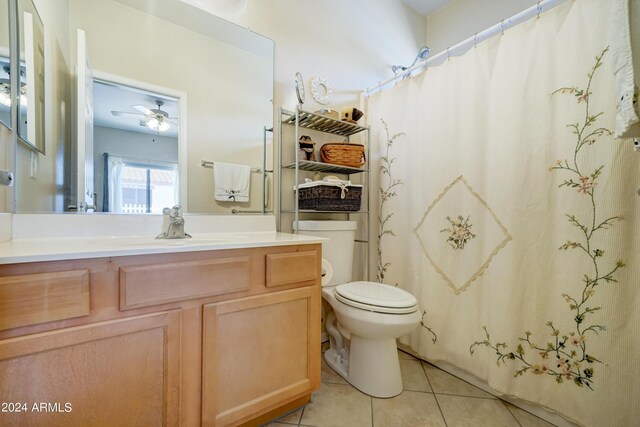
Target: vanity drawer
[
  {"x": 293, "y": 267},
  {"x": 44, "y": 297},
  {"x": 145, "y": 285}
]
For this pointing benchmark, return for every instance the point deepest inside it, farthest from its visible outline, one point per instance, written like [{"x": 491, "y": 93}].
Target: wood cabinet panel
[
  {"x": 153, "y": 284},
  {"x": 46, "y": 297},
  {"x": 293, "y": 267},
  {"x": 116, "y": 373},
  {"x": 259, "y": 353}
]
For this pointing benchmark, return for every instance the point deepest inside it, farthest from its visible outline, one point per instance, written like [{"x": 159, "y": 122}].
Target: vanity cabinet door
[
  {"x": 259, "y": 353},
  {"x": 117, "y": 373}
]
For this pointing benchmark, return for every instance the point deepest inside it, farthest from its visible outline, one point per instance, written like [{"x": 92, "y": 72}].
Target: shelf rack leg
[
  {"x": 297, "y": 159},
  {"x": 280, "y": 169}
]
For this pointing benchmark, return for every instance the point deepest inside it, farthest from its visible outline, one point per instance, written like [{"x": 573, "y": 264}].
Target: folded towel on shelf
[
  {"x": 231, "y": 182},
  {"x": 627, "y": 115}
]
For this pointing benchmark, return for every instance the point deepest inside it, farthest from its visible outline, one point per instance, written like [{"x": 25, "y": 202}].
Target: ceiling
[
  {"x": 426, "y": 7},
  {"x": 110, "y": 97}
]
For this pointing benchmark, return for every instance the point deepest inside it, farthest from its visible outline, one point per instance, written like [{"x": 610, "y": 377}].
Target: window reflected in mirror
[{"x": 135, "y": 146}]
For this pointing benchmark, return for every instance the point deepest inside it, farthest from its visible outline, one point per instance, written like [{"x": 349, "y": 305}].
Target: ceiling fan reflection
[{"x": 154, "y": 118}]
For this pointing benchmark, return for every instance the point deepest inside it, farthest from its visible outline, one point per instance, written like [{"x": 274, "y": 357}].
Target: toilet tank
[{"x": 339, "y": 250}]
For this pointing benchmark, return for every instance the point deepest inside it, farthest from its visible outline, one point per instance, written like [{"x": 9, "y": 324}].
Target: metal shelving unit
[{"x": 315, "y": 122}]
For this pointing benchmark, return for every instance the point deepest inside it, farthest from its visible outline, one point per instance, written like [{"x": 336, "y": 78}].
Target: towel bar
[{"x": 208, "y": 164}]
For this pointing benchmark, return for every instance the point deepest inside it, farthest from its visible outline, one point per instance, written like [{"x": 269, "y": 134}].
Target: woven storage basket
[
  {"x": 343, "y": 154},
  {"x": 328, "y": 198}
]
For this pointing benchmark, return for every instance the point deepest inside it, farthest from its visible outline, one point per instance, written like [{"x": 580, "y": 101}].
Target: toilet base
[
  {"x": 337, "y": 363},
  {"x": 376, "y": 370}
]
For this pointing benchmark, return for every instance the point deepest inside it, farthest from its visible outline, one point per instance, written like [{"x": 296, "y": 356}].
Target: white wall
[
  {"x": 461, "y": 19},
  {"x": 351, "y": 43}
]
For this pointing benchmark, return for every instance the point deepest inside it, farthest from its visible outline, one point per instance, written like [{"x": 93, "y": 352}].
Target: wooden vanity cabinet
[
  {"x": 214, "y": 338},
  {"x": 257, "y": 353}
]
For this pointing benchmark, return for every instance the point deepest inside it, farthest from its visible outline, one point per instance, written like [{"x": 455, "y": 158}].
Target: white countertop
[{"x": 58, "y": 248}]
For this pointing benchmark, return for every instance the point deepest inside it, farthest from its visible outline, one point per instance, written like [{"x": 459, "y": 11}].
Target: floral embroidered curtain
[{"x": 510, "y": 211}]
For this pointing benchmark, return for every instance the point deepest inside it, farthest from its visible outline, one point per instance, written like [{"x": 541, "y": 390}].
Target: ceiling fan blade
[
  {"x": 144, "y": 110},
  {"x": 173, "y": 122},
  {"x": 126, "y": 114}
]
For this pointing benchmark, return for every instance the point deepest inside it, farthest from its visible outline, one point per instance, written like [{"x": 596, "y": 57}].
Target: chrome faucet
[
  {"x": 174, "y": 224},
  {"x": 85, "y": 207}
]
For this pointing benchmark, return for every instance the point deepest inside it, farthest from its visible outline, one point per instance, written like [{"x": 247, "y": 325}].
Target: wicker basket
[
  {"x": 343, "y": 154},
  {"x": 329, "y": 198}
]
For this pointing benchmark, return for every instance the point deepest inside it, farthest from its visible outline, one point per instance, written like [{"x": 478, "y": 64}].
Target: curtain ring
[
  {"x": 502, "y": 26},
  {"x": 448, "y": 53},
  {"x": 475, "y": 40},
  {"x": 539, "y": 10}
]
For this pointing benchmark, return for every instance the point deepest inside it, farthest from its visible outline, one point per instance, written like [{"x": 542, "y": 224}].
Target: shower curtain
[{"x": 510, "y": 211}]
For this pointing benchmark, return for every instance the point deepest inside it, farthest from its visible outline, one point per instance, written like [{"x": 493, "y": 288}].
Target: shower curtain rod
[{"x": 463, "y": 46}]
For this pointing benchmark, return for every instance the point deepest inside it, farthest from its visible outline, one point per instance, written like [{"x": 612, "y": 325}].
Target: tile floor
[{"x": 431, "y": 397}]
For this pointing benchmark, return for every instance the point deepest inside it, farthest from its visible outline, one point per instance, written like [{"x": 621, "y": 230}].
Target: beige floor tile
[
  {"x": 336, "y": 405},
  {"x": 443, "y": 382},
  {"x": 461, "y": 411},
  {"x": 328, "y": 375},
  {"x": 409, "y": 409},
  {"x": 278, "y": 424},
  {"x": 526, "y": 419},
  {"x": 413, "y": 376}
]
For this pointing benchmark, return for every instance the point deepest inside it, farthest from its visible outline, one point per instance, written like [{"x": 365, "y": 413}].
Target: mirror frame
[
  {"x": 9, "y": 27},
  {"x": 35, "y": 143}
]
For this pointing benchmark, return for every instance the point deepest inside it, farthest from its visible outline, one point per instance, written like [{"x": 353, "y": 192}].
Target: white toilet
[{"x": 367, "y": 317}]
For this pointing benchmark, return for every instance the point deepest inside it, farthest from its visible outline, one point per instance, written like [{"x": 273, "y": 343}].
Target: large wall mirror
[{"x": 143, "y": 99}]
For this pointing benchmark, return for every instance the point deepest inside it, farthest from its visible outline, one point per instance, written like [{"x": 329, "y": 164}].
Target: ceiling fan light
[
  {"x": 5, "y": 98},
  {"x": 163, "y": 126},
  {"x": 153, "y": 124}
]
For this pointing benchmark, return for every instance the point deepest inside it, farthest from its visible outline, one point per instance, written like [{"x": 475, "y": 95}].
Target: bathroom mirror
[
  {"x": 214, "y": 82},
  {"x": 31, "y": 126},
  {"x": 5, "y": 84}
]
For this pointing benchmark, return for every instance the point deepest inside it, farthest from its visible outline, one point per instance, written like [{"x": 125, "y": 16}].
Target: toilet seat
[{"x": 376, "y": 297}]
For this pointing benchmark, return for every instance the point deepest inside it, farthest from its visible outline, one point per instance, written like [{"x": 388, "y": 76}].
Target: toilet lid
[{"x": 376, "y": 297}]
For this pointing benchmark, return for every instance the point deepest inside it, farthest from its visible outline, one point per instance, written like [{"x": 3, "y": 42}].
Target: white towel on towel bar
[{"x": 231, "y": 182}]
